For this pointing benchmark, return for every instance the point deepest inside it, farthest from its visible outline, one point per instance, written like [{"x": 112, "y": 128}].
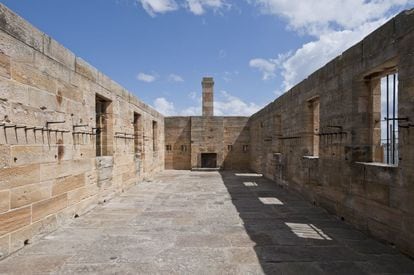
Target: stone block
[
  {"x": 105, "y": 174},
  {"x": 49, "y": 206},
  {"x": 12, "y": 91},
  {"x": 29, "y": 75},
  {"x": 15, "y": 219},
  {"x": 80, "y": 194},
  {"x": 378, "y": 40},
  {"x": 404, "y": 23},
  {"x": 50, "y": 67},
  {"x": 86, "y": 70},
  {"x": 84, "y": 206},
  {"x": 4, "y": 156},
  {"x": 4, "y": 201},
  {"x": 20, "y": 29},
  {"x": 24, "y": 155},
  {"x": 49, "y": 171},
  {"x": 67, "y": 184},
  {"x": 42, "y": 100},
  {"x": 401, "y": 197},
  {"x": 15, "y": 49},
  {"x": 381, "y": 230},
  {"x": 29, "y": 194},
  {"x": 392, "y": 218},
  {"x": 69, "y": 91},
  {"x": 378, "y": 192},
  {"x": 59, "y": 53},
  {"x": 4, "y": 246},
  {"x": 129, "y": 176},
  {"x": 104, "y": 162},
  {"x": 4, "y": 65},
  {"x": 19, "y": 176},
  {"x": 27, "y": 116},
  {"x": 32, "y": 232}
]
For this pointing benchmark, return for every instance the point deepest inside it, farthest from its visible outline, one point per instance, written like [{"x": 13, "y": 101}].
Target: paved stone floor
[{"x": 207, "y": 223}]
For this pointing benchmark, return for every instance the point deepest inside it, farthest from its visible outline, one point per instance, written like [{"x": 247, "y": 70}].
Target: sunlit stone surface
[{"x": 207, "y": 223}]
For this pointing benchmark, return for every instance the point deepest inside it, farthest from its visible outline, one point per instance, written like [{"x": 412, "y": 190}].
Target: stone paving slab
[{"x": 207, "y": 223}]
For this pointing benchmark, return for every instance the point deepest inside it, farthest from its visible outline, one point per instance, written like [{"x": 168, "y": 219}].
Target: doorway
[{"x": 208, "y": 160}]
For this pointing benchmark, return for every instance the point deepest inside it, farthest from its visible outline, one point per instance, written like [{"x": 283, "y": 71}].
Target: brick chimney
[{"x": 208, "y": 96}]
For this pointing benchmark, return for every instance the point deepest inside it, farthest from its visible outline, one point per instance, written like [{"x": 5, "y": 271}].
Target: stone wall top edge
[
  {"x": 17, "y": 27},
  {"x": 181, "y": 117}
]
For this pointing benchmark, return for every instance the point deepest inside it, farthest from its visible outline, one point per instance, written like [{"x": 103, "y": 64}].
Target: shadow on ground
[{"x": 294, "y": 237}]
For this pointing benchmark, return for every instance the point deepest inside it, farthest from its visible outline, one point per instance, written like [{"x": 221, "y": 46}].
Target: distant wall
[
  {"x": 48, "y": 176},
  {"x": 344, "y": 177},
  {"x": 177, "y": 135},
  {"x": 189, "y": 137}
]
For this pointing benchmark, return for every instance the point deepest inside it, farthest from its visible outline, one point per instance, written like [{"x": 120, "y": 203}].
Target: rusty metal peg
[
  {"x": 54, "y": 122},
  {"x": 10, "y": 126}
]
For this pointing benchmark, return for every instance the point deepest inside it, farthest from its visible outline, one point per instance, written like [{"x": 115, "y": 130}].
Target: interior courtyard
[{"x": 94, "y": 180}]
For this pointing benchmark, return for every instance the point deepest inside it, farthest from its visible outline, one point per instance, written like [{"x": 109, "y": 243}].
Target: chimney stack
[{"x": 208, "y": 96}]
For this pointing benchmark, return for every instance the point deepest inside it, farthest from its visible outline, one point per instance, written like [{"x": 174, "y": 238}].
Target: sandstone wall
[
  {"x": 343, "y": 178},
  {"x": 225, "y": 136},
  {"x": 178, "y": 136},
  {"x": 237, "y": 135},
  {"x": 49, "y": 173}
]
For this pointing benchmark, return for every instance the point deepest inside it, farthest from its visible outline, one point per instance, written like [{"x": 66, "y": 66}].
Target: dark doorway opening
[
  {"x": 208, "y": 160},
  {"x": 103, "y": 117}
]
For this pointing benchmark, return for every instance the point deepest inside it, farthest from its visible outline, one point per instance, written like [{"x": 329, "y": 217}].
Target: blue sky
[{"x": 160, "y": 49}]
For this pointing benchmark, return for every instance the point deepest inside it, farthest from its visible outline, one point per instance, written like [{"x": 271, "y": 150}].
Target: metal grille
[{"x": 389, "y": 121}]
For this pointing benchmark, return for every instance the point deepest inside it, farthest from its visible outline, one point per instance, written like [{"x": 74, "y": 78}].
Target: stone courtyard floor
[{"x": 207, "y": 223}]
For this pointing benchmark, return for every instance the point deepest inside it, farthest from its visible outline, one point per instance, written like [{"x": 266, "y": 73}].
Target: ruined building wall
[
  {"x": 49, "y": 173},
  {"x": 333, "y": 164}
]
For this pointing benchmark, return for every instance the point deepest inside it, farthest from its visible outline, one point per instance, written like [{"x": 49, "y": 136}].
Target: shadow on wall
[
  {"x": 237, "y": 151},
  {"x": 292, "y": 236}
]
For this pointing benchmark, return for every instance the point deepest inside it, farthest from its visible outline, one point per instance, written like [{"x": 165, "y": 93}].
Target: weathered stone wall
[
  {"x": 49, "y": 173},
  {"x": 237, "y": 135},
  {"x": 342, "y": 177},
  {"x": 209, "y": 134},
  {"x": 178, "y": 136}
]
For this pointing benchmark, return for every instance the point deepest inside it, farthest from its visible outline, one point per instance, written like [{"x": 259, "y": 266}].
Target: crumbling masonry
[{"x": 71, "y": 138}]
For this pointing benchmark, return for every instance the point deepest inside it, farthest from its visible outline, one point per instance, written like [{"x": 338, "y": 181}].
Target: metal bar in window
[
  {"x": 387, "y": 121},
  {"x": 393, "y": 116},
  {"x": 392, "y": 141}
]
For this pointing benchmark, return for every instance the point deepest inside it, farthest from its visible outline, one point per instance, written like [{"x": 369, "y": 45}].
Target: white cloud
[
  {"x": 152, "y": 7},
  {"x": 335, "y": 25},
  {"x": 234, "y": 106},
  {"x": 267, "y": 67},
  {"x": 317, "y": 53},
  {"x": 163, "y": 106},
  {"x": 175, "y": 78},
  {"x": 191, "y": 111},
  {"x": 229, "y": 105},
  {"x": 146, "y": 77},
  {"x": 314, "y": 16},
  {"x": 228, "y": 76},
  {"x": 198, "y": 7}
]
